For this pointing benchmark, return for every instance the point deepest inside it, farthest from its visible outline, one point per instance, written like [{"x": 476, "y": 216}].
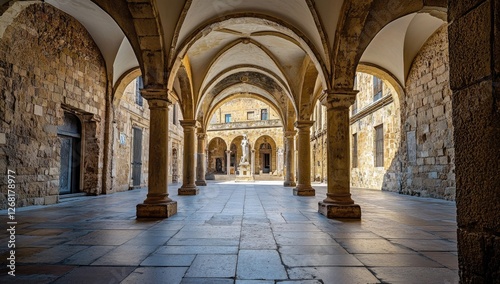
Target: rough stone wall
[
  {"x": 47, "y": 59},
  {"x": 475, "y": 80},
  {"x": 427, "y": 148}
]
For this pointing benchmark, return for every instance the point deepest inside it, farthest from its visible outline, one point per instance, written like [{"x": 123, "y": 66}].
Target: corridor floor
[{"x": 235, "y": 233}]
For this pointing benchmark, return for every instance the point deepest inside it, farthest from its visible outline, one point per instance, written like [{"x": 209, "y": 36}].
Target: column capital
[
  {"x": 188, "y": 123},
  {"x": 290, "y": 134},
  {"x": 155, "y": 96},
  {"x": 304, "y": 124},
  {"x": 201, "y": 135},
  {"x": 228, "y": 151},
  {"x": 338, "y": 98}
]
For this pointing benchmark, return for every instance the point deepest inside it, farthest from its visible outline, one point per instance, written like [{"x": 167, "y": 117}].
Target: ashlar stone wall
[
  {"x": 371, "y": 114},
  {"x": 48, "y": 62},
  {"x": 427, "y": 149}
]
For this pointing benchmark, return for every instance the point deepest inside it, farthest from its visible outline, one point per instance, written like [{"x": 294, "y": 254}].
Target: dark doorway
[
  {"x": 266, "y": 163},
  {"x": 137, "y": 157},
  {"x": 69, "y": 135},
  {"x": 218, "y": 165}
]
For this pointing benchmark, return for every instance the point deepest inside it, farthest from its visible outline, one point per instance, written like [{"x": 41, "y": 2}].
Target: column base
[
  {"x": 161, "y": 210},
  {"x": 201, "y": 183},
  {"x": 289, "y": 184},
  {"x": 304, "y": 191},
  {"x": 188, "y": 191},
  {"x": 332, "y": 210}
]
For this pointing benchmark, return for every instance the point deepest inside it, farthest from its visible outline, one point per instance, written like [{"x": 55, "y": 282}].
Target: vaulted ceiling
[{"x": 284, "y": 52}]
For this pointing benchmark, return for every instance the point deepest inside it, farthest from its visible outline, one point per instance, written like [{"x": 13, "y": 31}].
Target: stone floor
[{"x": 236, "y": 233}]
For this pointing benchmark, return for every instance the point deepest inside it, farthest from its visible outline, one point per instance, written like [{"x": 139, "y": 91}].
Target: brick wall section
[
  {"x": 48, "y": 59},
  {"x": 427, "y": 148}
]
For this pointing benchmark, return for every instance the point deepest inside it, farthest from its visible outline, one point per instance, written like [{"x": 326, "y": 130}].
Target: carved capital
[
  {"x": 304, "y": 125},
  {"x": 201, "y": 136},
  {"x": 157, "y": 98},
  {"x": 188, "y": 123},
  {"x": 338, "y": 98},
  {"x": 290, "y": 134}
]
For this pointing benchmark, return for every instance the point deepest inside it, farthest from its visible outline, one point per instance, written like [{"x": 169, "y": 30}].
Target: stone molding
[
  {"x": 303, "y": 124},
  {"x": 338, "y": 98}
]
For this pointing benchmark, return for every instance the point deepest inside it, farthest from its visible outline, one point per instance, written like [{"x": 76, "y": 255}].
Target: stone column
[
  {"x": 228, "y": 162},
  {"x": 304, "y": 187},
  {"x": 252, "y": 162},
  {"x": 157, "y": 203},
  {"x": 338, "y": 203},
  {"x": 188, "y": 172},
  {"x": 201, "y": 161},
  {"x": 290, "y": 155}
]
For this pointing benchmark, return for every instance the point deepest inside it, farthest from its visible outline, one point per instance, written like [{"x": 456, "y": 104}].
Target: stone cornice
[{"x": 373, "y": 107}]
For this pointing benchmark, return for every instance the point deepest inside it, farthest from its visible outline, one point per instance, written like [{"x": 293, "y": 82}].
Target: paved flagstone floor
[{"x": 236, "y": 233}]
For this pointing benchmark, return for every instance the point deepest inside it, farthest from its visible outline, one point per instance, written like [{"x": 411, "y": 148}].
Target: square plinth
[
  {"x": 201, "y": 183},
  {"x": 289, "y": 184},
  {"x": 188, "y": 191},
  {"x": 304, "y": 192},
  {"x": 332, "y": 211},
  {"x": 162, "y": 210}
]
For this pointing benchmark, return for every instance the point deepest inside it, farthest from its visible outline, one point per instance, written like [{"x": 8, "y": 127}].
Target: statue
[{"x": 244, "y": 149}]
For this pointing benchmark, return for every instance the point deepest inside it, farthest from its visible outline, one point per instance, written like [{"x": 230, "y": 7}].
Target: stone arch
[
  {"x": 287, "y": 30},
  {"x": 265, "y": 148},
  {"x": 217, "y": 158},
  {"x": 122, "y": 84}
]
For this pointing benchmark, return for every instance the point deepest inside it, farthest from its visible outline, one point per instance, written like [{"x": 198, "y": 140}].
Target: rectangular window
[
  {"x": 355, "y": 150},
  {"x": 250, "y": 115},
  {"x": 228, "y": 118},
  {"x": 138, "y": 87},
  {"x": 379, "y": 146},
  {"x": 377, "y": 88},
  {"x": 263, "y": 114}
]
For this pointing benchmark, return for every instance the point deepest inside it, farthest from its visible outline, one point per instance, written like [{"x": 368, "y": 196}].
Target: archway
[
  {"x": 217, "y": 158},
  {"x": 266, "y": 155}
]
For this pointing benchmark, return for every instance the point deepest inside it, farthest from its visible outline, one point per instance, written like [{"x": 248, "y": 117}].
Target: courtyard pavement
[{"x": 235, "y": 233}]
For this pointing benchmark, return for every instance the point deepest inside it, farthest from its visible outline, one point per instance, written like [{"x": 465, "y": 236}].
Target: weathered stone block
[
  {"x": 163, "y": 210},
  {"x": 332, "y": 211},
  {"x": 304, "y": 192},
  {"x": 188, "y": 191}
]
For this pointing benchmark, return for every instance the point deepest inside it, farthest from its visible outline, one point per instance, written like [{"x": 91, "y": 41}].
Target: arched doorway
[
  {"x": 265, "y": 157},
  {"x": 217, "y": 156},
  {"x": 69, "y": 134}
]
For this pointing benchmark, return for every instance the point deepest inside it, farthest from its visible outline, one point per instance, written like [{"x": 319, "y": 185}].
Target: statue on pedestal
[{"x": 244, "y": 149}]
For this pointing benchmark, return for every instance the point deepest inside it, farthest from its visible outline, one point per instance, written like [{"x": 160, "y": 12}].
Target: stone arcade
[{"x": 103, "y": 96}]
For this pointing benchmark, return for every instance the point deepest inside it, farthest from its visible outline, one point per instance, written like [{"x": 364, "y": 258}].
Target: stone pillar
[
  {"x": 304, "y": 187},
  {"x": 290, "y": 163},
  {"x": 228, "y": 162},
  {"x": 188, "y": 172},
  {"x": 338, "y": 203},
  {"x": 474, "y": 44},
  {"x": 201, "y": 161},
  {"x": 252, "y": 162},
  {"x": 157, "y": 203}
]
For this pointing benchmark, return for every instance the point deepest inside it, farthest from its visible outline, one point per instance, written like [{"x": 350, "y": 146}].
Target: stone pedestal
[
  {"x": 332, "y": 211},
  {"x": 338, "y": 203},
  {"x": 245, "y": 173},
  {"x": 304, "y": 187},
  {"x": 163, "y": 210}
]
